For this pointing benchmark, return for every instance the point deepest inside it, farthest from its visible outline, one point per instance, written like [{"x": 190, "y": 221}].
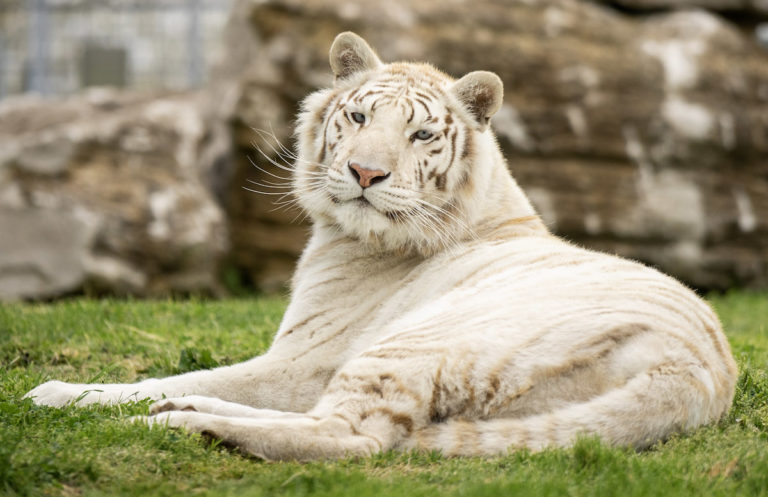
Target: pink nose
[{"x": 367, "y": 177}]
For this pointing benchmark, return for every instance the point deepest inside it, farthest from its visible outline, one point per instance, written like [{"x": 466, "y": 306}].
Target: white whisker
[
  {"x": 261, "y": 169},
  {"x": 269, "y": 184},
  {"x": 265, "y": 193}
]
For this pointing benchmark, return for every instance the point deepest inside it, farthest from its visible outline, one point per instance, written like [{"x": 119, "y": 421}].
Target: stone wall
[
  {"x": 644, "y": 136},
  {"x": 726, "y": 6},
  {"x": 110, "y": 192}
]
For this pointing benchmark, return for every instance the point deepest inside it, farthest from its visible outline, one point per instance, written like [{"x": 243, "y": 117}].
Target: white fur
[{"x": 463, "y": 326}]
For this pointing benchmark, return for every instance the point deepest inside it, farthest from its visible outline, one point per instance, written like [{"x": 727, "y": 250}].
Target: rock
[
  {"x": 727, "y": 6},
  {"x": 106, "y": 192},
  {"x": 44, "y": 254},
  {"x": 646, "y": 137}
]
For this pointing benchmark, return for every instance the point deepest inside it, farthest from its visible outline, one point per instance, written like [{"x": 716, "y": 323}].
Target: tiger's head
[{"x": 396, "y": 155}]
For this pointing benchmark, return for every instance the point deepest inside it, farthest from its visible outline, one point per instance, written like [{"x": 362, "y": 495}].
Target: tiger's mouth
[
  {"x": 359, "y": 202},
  {"x": 362, "y": 202},
  {"x": 392, "y": 215}
]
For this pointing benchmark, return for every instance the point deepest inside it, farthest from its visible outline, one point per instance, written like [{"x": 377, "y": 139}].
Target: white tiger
[{"x": 432, "y": 309}]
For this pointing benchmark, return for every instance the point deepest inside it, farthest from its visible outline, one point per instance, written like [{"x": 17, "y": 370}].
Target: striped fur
[{"x": 433, "y": 310}]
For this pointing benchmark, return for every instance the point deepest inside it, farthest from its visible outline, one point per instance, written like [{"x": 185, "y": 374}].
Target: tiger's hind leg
[
  {"x": 213, "y": 405},
  {"x": 300, "y": 438},
  {"x": 368, "y": 407}
]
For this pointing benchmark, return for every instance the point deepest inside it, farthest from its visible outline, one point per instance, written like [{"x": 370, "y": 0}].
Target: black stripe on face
[
  {"x": 468, "y": 145},
  {"x": 422, "y": 95},
  {"x": 420, "y": 174},
  {"x": 352, "y": 95},
  {"x": 395, "y": 89},
  {"x": 440, "y": 181},
  {"x": 322, "y": 114},
  {"x": 453, "y": 147},
  {"x": 413, "y": 111},
  {"x": 432, "y": 94},
  {"x": 329, "y": 145},
  {"x": 441, "y": 178},
  {"x": 327, "y": 117},
  {"x": 368, "y": 94},
  {"x": 465, "y": 179},
  {"x": 426, "y": 107}
]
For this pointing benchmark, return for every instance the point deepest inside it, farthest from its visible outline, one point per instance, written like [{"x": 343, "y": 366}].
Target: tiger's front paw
[{"x": 59, "y": 394}]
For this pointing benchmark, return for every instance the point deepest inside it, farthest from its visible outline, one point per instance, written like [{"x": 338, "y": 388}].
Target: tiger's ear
[
  {"x": 351, "y": 54},
  {"x": 481, "y": 93}
]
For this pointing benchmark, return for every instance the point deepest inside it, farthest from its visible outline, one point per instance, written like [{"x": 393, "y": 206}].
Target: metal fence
[{"x": 59, "y": 46}]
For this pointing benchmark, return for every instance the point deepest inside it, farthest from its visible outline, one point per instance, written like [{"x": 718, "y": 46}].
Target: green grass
[{"x": 93, "y": 451}]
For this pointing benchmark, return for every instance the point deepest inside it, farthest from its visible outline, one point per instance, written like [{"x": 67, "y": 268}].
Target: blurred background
[
  {"x": 57, "y": 47},
  {"x": 129, "y": 129}
]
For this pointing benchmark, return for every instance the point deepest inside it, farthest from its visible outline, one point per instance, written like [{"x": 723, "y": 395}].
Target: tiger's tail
[{"x": 648, "y": 408}]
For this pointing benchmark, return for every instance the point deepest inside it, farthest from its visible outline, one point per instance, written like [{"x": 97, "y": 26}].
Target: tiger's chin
[
  {"x": 361, "y": 220},
  {"x": 384, "y": 232}
]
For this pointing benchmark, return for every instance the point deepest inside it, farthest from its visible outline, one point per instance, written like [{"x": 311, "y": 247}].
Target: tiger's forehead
[
  {"x": 418, "y": 73},
  {"x": 398, "y": 81}
]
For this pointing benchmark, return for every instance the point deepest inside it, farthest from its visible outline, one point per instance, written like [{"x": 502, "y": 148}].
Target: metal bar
[
  {"x": 3, "y": 68},
  {"x": 39, "y": 25},
  {"x": 194, "y": 45},
  {"x": 35, "y": 49},
  {"x": 158, "y": 5}
]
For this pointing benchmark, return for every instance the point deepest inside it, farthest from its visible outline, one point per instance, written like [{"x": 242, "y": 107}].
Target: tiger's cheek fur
[{"x": 447, "y": 171}]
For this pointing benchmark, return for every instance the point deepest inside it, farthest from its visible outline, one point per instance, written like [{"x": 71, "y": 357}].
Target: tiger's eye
[
  {"x": 422, "y": 134},
  {"x": 358, "y": 117}
]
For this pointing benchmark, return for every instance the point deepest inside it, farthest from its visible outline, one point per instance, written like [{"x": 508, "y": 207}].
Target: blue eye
[
  {"x": 422, "y": 134},
  {"x": 358, "y": 117}
]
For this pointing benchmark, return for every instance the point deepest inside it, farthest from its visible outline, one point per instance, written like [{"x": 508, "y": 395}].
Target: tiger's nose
[{"x": 367, "y": 177}]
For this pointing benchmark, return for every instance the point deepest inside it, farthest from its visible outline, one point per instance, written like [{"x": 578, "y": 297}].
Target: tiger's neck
[{"x": 498, "y": 208}]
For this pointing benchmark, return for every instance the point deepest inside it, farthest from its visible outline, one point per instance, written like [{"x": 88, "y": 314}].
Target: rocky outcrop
[
  {"x": 107, "y": 192},
  {"x": 729, "y": 6},
  {"x": 646, "y": 137}
]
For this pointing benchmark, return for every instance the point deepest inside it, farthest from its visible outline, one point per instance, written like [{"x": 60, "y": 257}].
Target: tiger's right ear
[{"x": 351, "y": 54}]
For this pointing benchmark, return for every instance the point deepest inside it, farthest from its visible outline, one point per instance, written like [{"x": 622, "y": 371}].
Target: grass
[{"x": 92, "y": 451}]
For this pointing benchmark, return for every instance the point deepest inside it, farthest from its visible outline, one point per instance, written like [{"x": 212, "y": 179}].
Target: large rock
[
  {"x": 749, "y": 7},
  {"x": 106, "y": 192},
  {"x": 648, "y": 138}
]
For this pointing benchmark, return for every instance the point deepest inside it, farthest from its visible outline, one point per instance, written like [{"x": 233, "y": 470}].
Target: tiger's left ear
[
  {"x": 481, "y": 93},
  {"x": 351, "y": 54}
]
